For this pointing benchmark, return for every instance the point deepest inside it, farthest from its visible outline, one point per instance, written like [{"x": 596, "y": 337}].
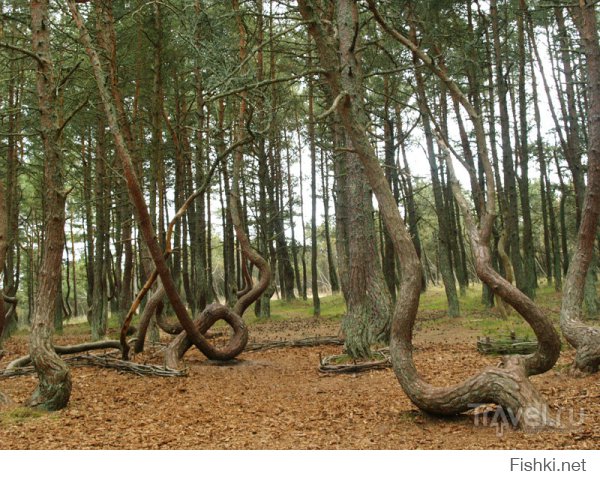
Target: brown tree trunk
[
  {"x": 314, "y": 285},
  {"x": 54, "y": 388},
  {"x": 239, "y": 339},
  {"x": 508, "y": 386},
  {"x": 585, "y": 339},
  {"x": 333, "y": 276},
  {"x": 3, "y": 248}
]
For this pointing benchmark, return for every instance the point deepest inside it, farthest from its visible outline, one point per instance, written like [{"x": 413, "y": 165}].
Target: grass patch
[
  {"x": 332, "y": 308},
  {"x": 474, "y": 315},
  {"x": 20, "y": 415}
]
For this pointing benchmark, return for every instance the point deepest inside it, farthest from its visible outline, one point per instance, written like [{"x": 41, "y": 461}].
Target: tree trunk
[
  {"x": 3, "y": 248},
  {"x": 368, "y": 301},
  {"x": 585, "y": 339},
  {"x": 333, "y": 277},
  {"x": 441, "y": 212},
  {"x": 313, "y": 195},
  {"x": 507, "y": 386},
  {"x": 529, "y": 269},
  {"x": 54, "y": 388}
]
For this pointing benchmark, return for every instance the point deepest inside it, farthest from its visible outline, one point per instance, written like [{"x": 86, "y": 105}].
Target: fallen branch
[
  {"x": 106, "y": 362},
  {"x": 305, "y": 342},
  {"x": 329, "y": 364},
  {"x": 508, "y": 346},
  {"x": 67, "y": 350}
]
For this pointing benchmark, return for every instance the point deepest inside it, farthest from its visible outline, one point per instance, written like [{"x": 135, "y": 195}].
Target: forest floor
[{"x": 277, "y": 399}]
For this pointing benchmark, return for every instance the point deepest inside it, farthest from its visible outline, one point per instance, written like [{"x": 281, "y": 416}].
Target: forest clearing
[
  {"x": 314, "y": 224},
  {"x": 277, "y": 399}
]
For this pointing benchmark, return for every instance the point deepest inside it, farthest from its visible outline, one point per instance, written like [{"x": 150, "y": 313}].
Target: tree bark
[
  {"x": 585, "y": 339},
  {"x": 507, "y": 386},
  {"x": 314, "y": 285},
  {"x": 54, "y": 387},
  {"x": 3, "y": 248}
]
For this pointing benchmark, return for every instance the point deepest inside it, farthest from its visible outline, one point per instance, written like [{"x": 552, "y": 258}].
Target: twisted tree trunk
[
  {"x": 585, "y": 339},
  {"x": 240, "y": 335},
  {"x": 508, "y": 385}
]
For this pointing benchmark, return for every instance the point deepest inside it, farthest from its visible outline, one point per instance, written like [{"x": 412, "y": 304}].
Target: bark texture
[
  {"x": 3, "y": 248},
  {"x": 54, "y": 387},
  {"x": 585, "y": 339},
  {"x": 240, "y": 336},
  {"x": 508, "y": 386}
]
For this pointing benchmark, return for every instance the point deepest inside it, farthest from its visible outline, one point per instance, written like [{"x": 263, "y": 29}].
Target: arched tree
[{"x": 507, "y": 385}]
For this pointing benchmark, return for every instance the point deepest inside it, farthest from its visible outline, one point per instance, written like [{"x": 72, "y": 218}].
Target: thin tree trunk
[
  {"x": 529, "y": 270},
  {"x": 313, "y": 192},
  {"x": 333, "y": 277},
  {"x": 441, "y": 212}
]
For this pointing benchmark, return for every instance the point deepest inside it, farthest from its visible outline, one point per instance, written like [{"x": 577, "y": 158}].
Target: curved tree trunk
[
  {"x": 143, "y": 217},
  {"x": 507, "y": 386},
  {"x": 54, "y": 388},
  {"x": 585, "y": 339}
]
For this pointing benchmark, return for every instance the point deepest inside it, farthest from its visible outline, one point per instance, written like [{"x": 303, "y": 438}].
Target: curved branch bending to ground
[
  {"x": 584, "y": 338},
  {"x": 240, "y": 334},
  {"x": 507, "y": 385}
]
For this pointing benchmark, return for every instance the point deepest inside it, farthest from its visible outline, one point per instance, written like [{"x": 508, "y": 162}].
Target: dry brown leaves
[{"x": 277, "y": 399}]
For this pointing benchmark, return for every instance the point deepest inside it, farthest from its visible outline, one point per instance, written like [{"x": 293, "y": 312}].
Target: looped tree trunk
[
  {"x": 211, "y": 314},
  {"x": 507, "y": 386},
  {"x": 137, "y": 197},
  {"x": 249, "y": 294}
]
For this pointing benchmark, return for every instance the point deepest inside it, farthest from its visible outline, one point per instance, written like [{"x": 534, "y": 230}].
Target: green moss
[{"x": 20, "y": 415}]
